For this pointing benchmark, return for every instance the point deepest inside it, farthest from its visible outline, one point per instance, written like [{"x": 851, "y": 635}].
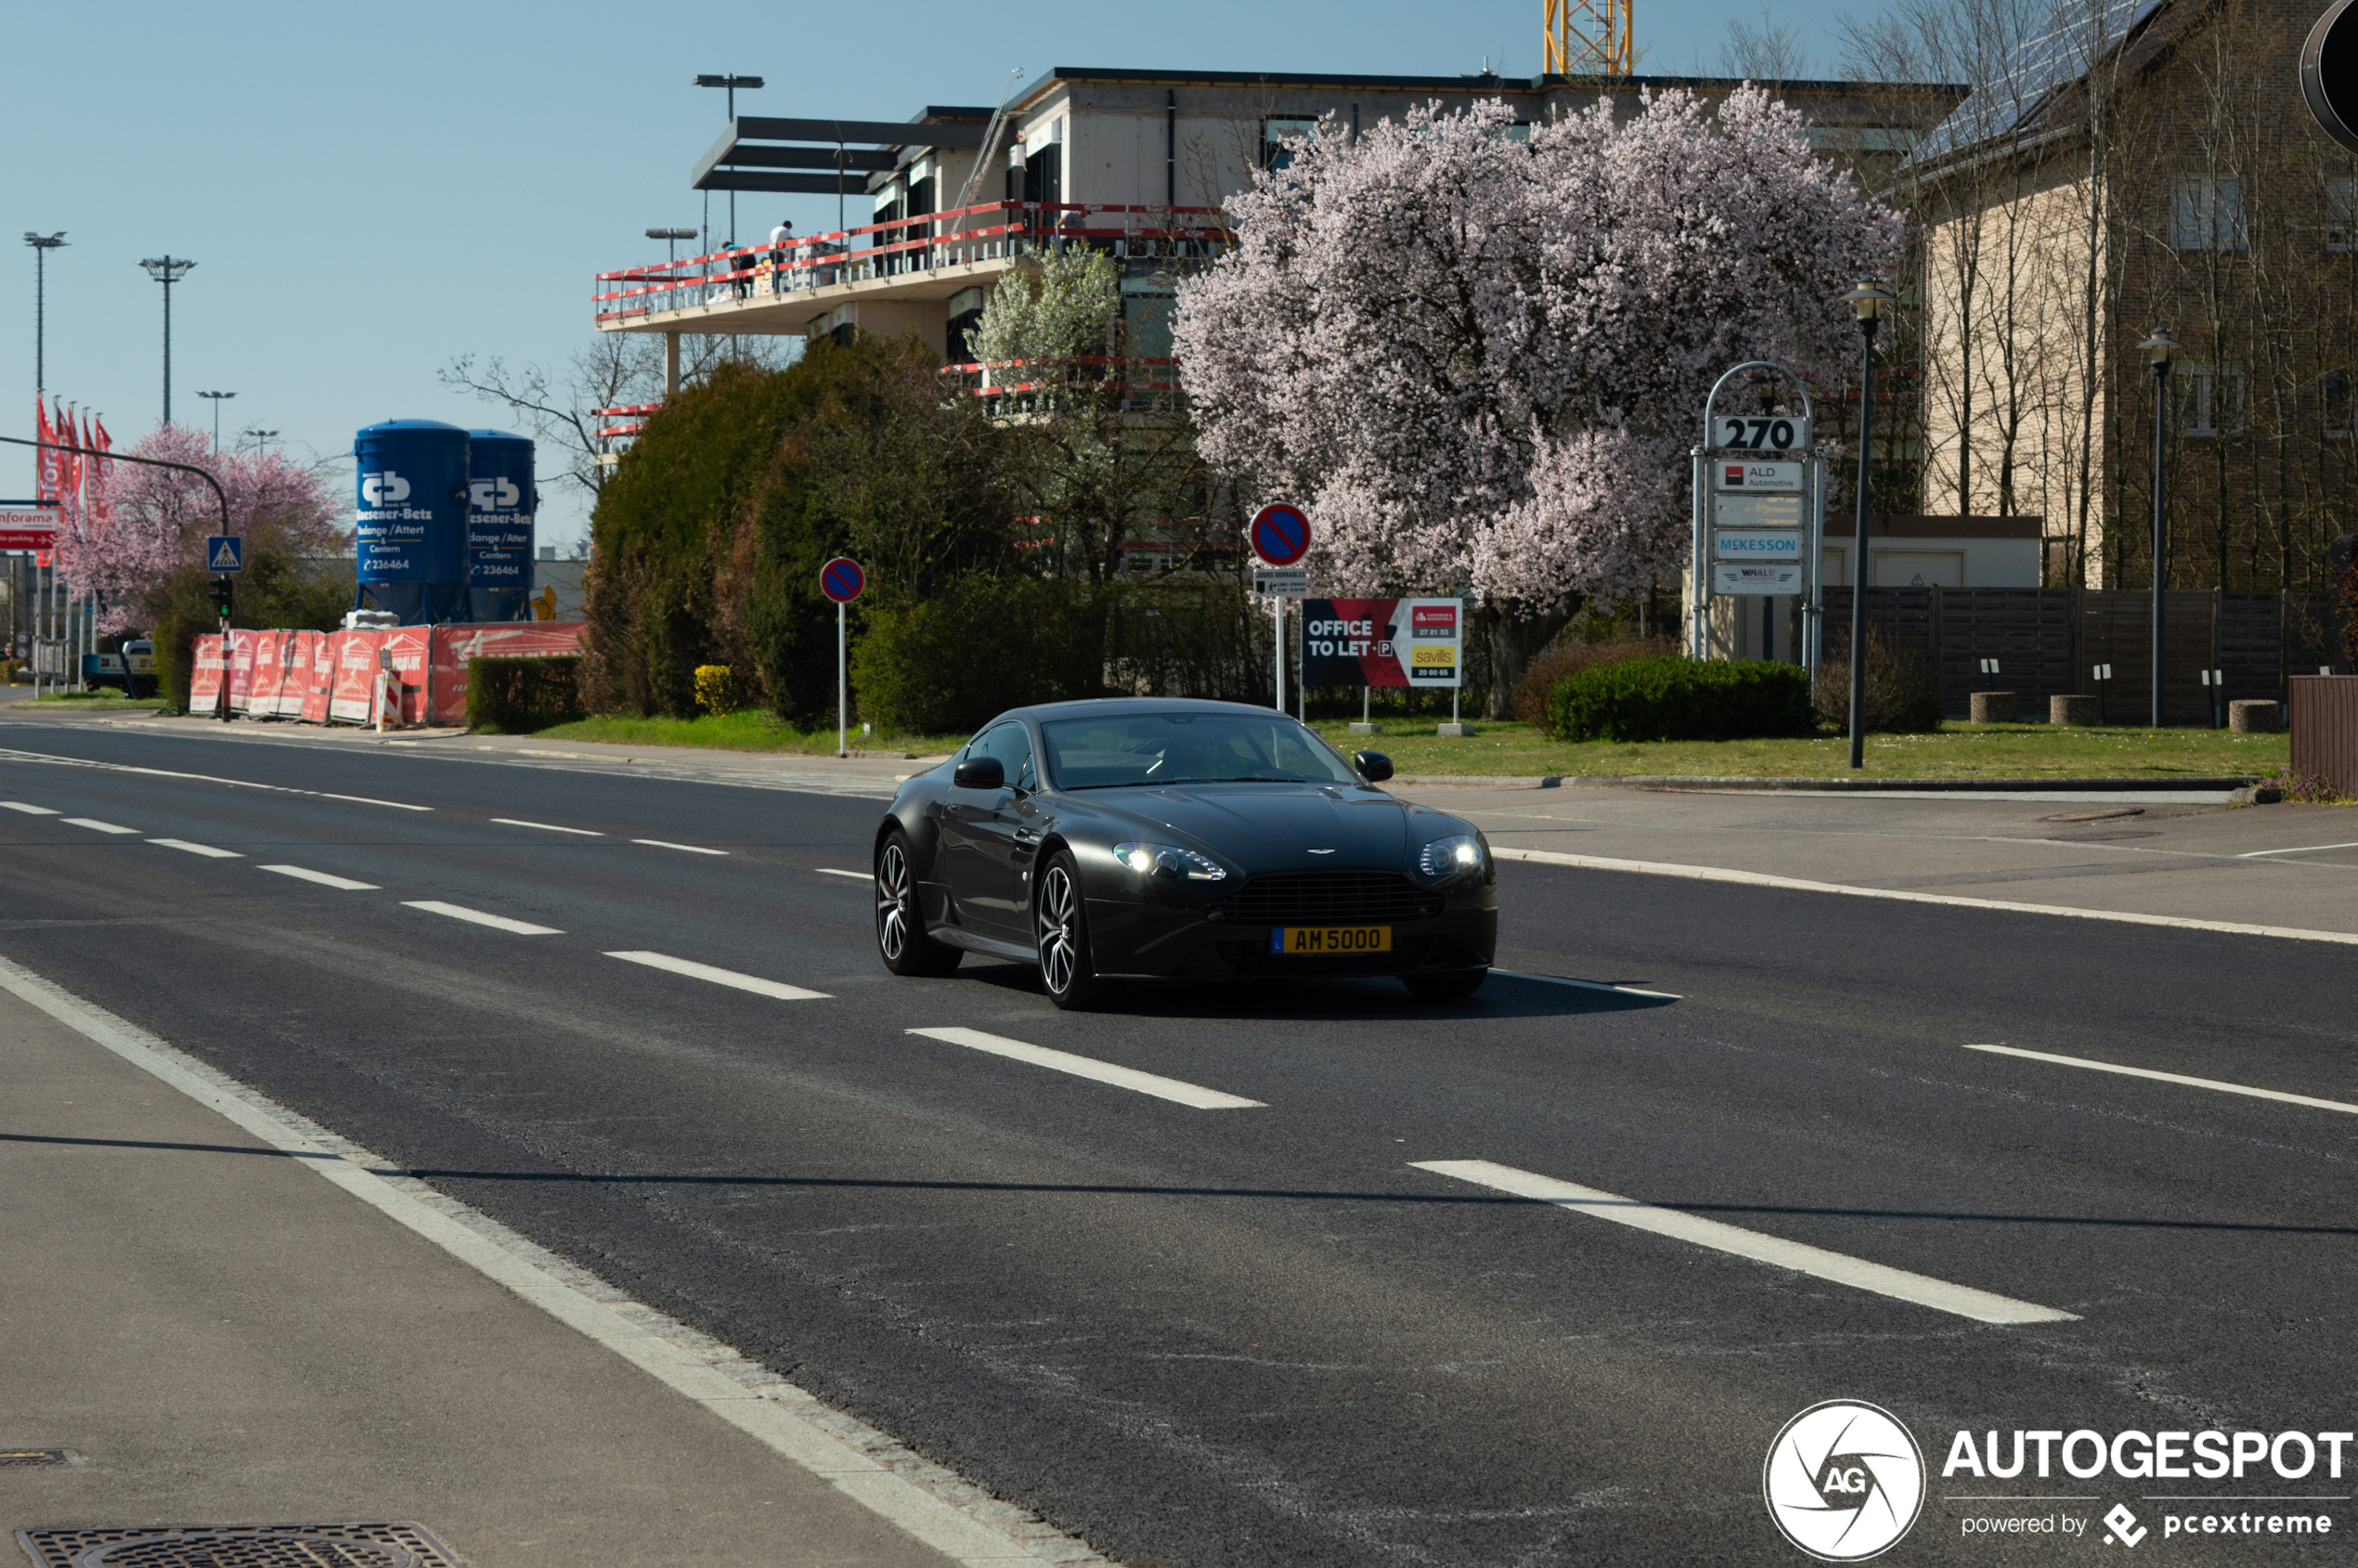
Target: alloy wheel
[
  {"x": 1059, "y": 955},
  {"x": 892, "y": 903}
]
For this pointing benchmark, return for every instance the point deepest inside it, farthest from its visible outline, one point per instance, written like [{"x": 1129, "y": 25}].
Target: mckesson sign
[{"x": 1756, "y": 544}]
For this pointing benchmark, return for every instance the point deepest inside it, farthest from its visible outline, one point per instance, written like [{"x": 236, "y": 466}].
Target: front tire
[
  {"x": 900, "y": 928},
  {"x": 1453, "y": 985},
  {"x": 1060, "y": 920}
]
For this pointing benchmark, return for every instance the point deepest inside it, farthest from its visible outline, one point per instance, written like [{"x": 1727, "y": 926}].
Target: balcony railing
[
  {"x": 993, "y": 231},
  {"x": 1142, "y": 383}
]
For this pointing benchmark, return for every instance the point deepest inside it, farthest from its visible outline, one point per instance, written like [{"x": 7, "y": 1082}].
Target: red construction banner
[
  {"x": 205, "y": 682},
  {"x": 295, "y": 669},
  {"x": 455, "y": 645},
  {"x": 262, "y": 701},
  {"x": 240, "y": 668},
  {"x": 318, "y": 656},
  {"x": 353, "y": 697},
  {"x": 408, "y": 646}
]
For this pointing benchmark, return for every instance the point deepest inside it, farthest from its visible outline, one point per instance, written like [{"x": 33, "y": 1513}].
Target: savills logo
[{"x": 383, "y": 489}]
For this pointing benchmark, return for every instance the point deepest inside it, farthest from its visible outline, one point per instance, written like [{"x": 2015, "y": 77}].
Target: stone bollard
[
  {"x": 2072, "y": 710},
  {"x": 2255, "y": 717},
  {"x": 1993, "y": 707}
]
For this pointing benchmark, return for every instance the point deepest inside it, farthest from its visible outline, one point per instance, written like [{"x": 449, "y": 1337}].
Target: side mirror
[
  {"x": 981, "y": 772},
  {"x": 1373, "y": 766}
]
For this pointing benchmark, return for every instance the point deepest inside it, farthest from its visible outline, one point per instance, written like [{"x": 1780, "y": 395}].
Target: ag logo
[
  {"x": 490, "y": 495},
  {"x": 1843, "y": 1481},
  {"x": 383, "y": 489}
]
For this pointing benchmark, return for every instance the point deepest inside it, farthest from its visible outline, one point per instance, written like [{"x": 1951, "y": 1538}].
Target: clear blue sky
[{"x": 369, "y": 191}]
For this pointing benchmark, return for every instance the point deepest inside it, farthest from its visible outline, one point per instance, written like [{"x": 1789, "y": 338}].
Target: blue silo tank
[
  {"x": 411, "y": 519},
  {"x": 501, "y": 502}
]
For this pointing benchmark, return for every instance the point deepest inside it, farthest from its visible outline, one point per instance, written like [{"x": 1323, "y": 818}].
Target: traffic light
[{"x": 224, "y": 595}]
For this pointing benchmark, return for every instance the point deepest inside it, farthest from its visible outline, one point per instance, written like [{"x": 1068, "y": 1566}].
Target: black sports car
[{"x": 1177, "y": 840}]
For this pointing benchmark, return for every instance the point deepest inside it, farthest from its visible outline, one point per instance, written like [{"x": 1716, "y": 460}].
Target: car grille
[{"x": 1320, "y": 898}]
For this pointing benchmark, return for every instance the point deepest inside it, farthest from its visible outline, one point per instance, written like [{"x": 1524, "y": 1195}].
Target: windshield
[{"x": 1176, "y": 748}]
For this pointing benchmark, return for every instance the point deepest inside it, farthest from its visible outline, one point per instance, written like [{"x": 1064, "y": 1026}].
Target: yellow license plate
[{"x": 1329, "y": 942}]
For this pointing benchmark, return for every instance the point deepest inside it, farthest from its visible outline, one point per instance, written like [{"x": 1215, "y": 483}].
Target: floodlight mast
[
  {"x": 167, "y": 270},
  {"x": 41, "y": 245},
  {"x": 1587, "y": 38}
]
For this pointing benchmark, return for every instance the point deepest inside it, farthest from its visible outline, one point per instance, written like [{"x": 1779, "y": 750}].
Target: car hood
[{"x": 1259, "y": 827}]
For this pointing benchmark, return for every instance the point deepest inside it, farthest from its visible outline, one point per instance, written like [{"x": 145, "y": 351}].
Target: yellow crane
[{"x": 1588, "y": 38}]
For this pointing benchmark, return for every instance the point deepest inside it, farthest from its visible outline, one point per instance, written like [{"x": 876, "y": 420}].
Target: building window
[
  {"x": 2341, "y": 213},
  {"x": 2207, "y": 400},
  {"x": 2206, "y": 212},
  {"x": 2341, "y": 417},
  {"x": 1277, "y": 136}
]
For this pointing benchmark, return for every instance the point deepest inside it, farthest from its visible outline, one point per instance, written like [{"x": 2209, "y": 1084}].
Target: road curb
[{"x": 1929, "y": 786}]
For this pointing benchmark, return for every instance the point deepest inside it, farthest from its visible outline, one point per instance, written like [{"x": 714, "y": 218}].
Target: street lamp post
[
  {"x": 730, "y": 85},
  {"x": 2159, "y": 349},
  {"x": 41, "y": 245},
  {"x": 167, "y": 270},
  {"x": 216, "y": 399},
  {"x": 1868, "y": 303},
  {"x": 671, "y": 238}
]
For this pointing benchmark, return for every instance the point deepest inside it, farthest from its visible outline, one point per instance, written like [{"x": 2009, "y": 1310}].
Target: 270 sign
[{"x": 1763, "y": 435}]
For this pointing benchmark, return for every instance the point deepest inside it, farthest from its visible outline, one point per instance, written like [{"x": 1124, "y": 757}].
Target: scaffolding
[{"x": 1588, "y": 38}]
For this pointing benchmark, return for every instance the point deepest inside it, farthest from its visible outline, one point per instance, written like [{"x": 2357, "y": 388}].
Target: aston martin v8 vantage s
[{"x": 1136, "y": 839}]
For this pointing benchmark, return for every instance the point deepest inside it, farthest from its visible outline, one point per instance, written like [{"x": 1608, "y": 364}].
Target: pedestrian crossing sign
[{"x": 225, "y": 552}]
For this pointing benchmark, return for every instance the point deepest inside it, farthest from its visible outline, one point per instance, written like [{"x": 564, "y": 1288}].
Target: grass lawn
[
  {"x": 750, "y": 730},
  {"x": 1958, "y": 750},
  {"x": 106, "y": 697}
]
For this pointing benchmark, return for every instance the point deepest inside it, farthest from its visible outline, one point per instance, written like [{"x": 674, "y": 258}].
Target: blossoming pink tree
[
  {"x": 159, "y": 520},
  {"x": 1479, "y": 359}
]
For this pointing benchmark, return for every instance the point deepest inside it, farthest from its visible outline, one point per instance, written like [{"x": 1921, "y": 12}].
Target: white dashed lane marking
[
  {"x": 30, "y": 811},
  {"x": 305, "y": 874},
  {"x": 476, "y": 916},
  {"x": 1923, "y": 1290},
  {"x": 2224, "y": 1088},
  {"x": 666, "y": 844},
  {"x": 1088, "y": 1066},
  {"x": 1588, "y": 985},
  {"x": 205, "y": 850},
  {"x": 97, "y": 826},
  {"x": 830, "y": 871},
  {"x": 695, "y": 970},
  {"x": 549, "y": 827}
]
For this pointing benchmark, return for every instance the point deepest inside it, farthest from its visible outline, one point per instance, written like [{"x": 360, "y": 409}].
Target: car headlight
[
  {"x": 1169, "y": 859},
  {"x": 1452, "y": 857}
]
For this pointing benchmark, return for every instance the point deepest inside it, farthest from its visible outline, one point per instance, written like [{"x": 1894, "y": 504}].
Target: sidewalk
[{"x": 225, "y": 1337}]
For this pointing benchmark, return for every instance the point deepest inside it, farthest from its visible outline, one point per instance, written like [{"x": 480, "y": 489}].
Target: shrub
[
  {"x": 716, "y": 689},
  {"x": 1903, "y": 694},
  {"x": 518, "y": 696},
  {"x": 980, "y": 645},
  {"x": 1539, "y": 677},
  {"x": 1680, "y": 699}
]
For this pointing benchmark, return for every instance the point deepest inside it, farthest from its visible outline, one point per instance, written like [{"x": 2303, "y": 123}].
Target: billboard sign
[
  {"x": 28, "y": 528},
  {"x": 1415, "y": 642}
]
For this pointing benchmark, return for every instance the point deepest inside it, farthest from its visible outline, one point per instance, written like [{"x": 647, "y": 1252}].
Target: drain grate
[
  {"x": 14, "y": 1456},
  {"x": 239, "y": 1546}
]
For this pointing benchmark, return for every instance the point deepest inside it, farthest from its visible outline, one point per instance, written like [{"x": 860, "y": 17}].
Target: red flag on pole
[
  {"x": 45, "y": 464},
  {"x": 102, "y": 472},
  {"x": 69, "y": 493}
]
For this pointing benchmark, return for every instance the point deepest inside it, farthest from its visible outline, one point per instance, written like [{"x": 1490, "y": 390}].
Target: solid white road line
[
  {"x": 198, "y": 848},
  {"x": 2304, "y": 849},
  {"x": 1965, "y": 1301},
  {"x": 98, "y": 827},
  {"x": 28, "y": 810},
  {"x": 695, "y": 970},
  {"x": 2224, "y": 1088},
  {"x": 1762, "y": 879},
  {"x": 12, "y": 755},
  {"x": 1588, "y": 985},
  {"x": 549, "y": 827},
  {"x": 831, "y": 870},
  {"x": 786, "y": 1419},
  {"x": 497, "y": 922},
  {"x": 1084, "y": 1067},
  {"x": 691, "y": 848},
  {"x": 324, "y": 879}
]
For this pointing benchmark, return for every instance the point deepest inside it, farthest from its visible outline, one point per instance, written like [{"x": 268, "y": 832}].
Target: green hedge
[
  {"x": 1681, "y": 699},
  {"x": 979, "y": 646},
  {"x": 518, "y": 696}
]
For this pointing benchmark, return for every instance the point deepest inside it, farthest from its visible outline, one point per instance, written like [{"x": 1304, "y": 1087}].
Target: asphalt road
[{"x": 1266, "y": 1335}]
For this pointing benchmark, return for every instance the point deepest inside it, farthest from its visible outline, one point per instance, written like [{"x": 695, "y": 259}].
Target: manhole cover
[
  {"x": 9, "y": 1457},
  {"x": 239, "y": 1546}
]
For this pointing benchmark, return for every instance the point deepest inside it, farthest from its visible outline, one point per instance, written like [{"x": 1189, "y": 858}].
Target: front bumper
[{"x": 1175, "y": 937}]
